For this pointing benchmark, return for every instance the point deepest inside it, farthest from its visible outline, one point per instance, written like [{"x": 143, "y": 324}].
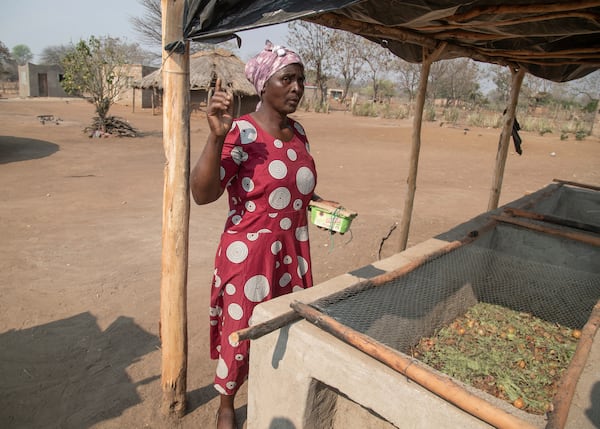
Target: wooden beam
[
  {"x": 577, "y": 184},
  {"x": 551, "y": 8},
  {"x": 176, "y": 210},
  {"x": 509, "y": 118},
  {"x": 593, "y": 240},
  {"x": 416, "y": 144}
]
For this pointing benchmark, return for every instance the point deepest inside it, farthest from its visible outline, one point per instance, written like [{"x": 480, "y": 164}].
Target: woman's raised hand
[{"x": 220, "y": 111}]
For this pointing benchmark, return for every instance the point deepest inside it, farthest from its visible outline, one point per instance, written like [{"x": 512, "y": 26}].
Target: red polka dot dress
[{"x": 264, "y": 250}]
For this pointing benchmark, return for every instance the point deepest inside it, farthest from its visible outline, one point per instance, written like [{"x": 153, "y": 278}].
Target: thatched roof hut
[{"x": 204, "y": 66}]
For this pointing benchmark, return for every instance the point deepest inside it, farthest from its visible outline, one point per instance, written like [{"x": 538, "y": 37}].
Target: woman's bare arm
[{"x": 205, "y": 179}]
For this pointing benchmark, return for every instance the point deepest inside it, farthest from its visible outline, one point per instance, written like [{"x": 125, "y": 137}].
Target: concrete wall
[
  {"x": 143, "y": 97},
  {"x": 40, "y": 81}
]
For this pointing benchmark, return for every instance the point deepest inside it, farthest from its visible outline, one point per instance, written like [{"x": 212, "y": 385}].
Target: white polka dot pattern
[
  {"x": 237, "y": 252},
  {"x": 280, "y": 198},
  {"x": 256, "y": 288},
  {"x": 305, "y": 180},
  {"x": 277, "y": 169},
  {"x": 248, "y": 132},
  {"x": 264, "y": 249}
]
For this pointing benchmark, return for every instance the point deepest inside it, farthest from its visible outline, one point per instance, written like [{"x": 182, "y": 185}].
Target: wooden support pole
[
  {"x": 509, "y": 118},
  {"x": 441, "y": 385},
  {"x": 416, "y": 145},
  {"x": 176, "y": 211}
]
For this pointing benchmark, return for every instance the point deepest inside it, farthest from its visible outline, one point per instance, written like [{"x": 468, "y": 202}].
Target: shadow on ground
[
  {"x": 69, "y": 373},
  {"x": 13, "y": 149}
]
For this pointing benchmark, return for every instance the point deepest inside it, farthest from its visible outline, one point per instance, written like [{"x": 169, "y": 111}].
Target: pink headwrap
[{"x": 271, "y": 59}]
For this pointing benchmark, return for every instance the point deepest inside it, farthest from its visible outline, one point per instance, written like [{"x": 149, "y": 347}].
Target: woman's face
[{"x": 285, "y": 88}]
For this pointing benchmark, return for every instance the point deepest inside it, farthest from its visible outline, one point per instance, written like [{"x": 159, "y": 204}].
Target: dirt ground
[{"x": 81, "y": 243}]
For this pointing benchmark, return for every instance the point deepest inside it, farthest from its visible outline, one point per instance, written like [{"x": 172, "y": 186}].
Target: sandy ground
[{"x": 81, "y": 230}]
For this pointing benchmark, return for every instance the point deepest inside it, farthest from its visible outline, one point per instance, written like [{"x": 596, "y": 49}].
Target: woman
[{"x": 262, "y": 159}]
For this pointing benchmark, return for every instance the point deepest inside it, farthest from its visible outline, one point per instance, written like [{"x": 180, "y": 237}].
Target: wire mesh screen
[{"x": 412, "y": 306}]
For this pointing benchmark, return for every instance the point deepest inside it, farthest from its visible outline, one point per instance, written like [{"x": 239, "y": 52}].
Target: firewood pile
[{"x": 113, "y": 126}]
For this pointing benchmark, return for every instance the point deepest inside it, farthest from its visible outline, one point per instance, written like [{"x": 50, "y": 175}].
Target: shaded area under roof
[
  {"x": 203, "y": 66},
  {"x": 554, "y": 40}
]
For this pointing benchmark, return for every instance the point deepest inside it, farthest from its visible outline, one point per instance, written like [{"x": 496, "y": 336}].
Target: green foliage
[
  {"x": 429, "y": 113},
  {"x": 506, "y": 353},
  {"x": 365, "y": 109},
  {"x": 8, "y": 66},
  {"x": 539, "y": 125},
  {"x": 451, "y": 115},
  {"x": 591, "y": 107},
  {"x": 22, "y": 54},
  {"x": 95, "y": 69},
  {"x": 581, "y": 134}
]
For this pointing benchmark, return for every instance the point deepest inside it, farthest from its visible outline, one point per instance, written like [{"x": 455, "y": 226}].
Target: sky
[{"x": 41, "y": 23}]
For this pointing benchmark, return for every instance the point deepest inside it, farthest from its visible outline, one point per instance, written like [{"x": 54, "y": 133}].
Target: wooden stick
[
  {"x": 260, "y": 329},
  {"x": 579, "y": 185},
  {"x": 552, "y": 219},
  {"x": 577, "y": 236},
  {"x": 415, "y": 148},
  {"x": 176, "y": 210},
  {"x": 570, "y": 378},
  {"x": 503, "y": 143},
  {"x": 441, "y": 385}
]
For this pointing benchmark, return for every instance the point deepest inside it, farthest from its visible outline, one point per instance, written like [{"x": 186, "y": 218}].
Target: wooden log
[
  {"x": 415, "y": 148},
  {"x": 570, "y": 378},
  {"x": 503, "y": 143},
  {"x": 176, "y": 209},
  {"x": 443, "y": 386},
  {"x": 261, "y": 329},
  {"x": 577, "y": 184},
  {"x": 571, "y": 235},
  {"x": 552, "y": 219}
]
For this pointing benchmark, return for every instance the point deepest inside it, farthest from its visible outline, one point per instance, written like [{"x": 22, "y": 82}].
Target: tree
[
  {"x": 22, "y": 54},
  {"x": 149, "y": 27},
  {"x": 346, "y": 58},
  {"x": 378, "y": 61},
  {"x": 409, "y": 75},
  {"x": 96, "y": 70},
  {"x": 8, "y": 66},
  {"x": 52, "y": 55},
  {"x": 314, "y": 43},
  {"x": 455, "y": 80}
]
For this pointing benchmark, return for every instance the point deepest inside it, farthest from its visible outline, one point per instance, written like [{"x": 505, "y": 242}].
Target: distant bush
[
  {"x": 429, "y": 113},
  {"x": 365, "y": 109},
  {"x": 451, "y": 115}
]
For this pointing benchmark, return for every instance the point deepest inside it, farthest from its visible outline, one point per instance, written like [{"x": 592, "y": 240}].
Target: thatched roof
[
  {"x": 557, "y": 40},
  {"x": 203, "y": 66}
]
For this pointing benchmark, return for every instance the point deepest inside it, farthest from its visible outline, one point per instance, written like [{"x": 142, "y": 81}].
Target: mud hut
[{"x": 205, "y": 66}]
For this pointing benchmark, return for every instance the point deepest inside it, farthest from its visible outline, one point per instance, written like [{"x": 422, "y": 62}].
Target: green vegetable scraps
[{"x": 512, "y": 355}]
